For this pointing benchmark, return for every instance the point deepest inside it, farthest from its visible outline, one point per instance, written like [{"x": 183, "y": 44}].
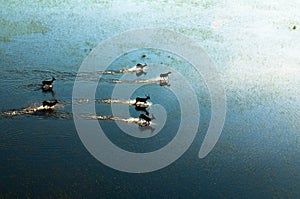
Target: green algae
[
  {"x": 15, "y": 28},
  {"x": 203, "y": 34},
  {"x": 194, "y": 3}
]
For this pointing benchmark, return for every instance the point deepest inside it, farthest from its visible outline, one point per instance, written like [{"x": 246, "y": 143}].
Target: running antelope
[
  {"x": 141, "y": 99},
  {"x": 49, "y": 103},
  {"x": 164, "y": 76},
  {"x": 140, "y": 66},
  {"x": 47, "y": 84}
]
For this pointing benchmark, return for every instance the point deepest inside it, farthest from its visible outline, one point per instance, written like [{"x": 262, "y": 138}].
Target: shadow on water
[{"x": 146, "y": 128}]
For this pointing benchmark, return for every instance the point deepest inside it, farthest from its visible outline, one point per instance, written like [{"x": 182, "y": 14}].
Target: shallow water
[{"x": 254, "y": 47}]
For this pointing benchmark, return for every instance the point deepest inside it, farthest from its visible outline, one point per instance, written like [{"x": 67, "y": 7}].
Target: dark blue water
[{"x": 41, "y": 155}]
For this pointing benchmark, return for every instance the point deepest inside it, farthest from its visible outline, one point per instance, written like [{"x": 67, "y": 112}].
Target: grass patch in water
[
  {"x": 202, "y": 3},
  {"x": 4, "y": 39},
  {"x": 204, "y": 34},
  {"x": 15, "y": 28}
]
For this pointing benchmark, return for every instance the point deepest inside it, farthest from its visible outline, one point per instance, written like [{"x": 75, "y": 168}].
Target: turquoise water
[{"x": 254, "y": 47}]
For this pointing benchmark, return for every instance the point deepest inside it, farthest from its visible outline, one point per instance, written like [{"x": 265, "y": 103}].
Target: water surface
[{"x": 254, "y": 47}]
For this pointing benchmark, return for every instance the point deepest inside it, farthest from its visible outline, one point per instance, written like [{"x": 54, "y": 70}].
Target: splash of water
[
  {"x": 153, "y": 80},
  {"x": 32, "y": 110},
  {"x": 127, "y": 120},
  {"x": 112, "y": 72},
  {"x": 110, "y": 101}
]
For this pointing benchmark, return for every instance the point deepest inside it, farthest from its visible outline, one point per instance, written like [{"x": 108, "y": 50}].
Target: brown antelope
[
  {"x": 49, "y": 103},
  {"x": 48, "y": 82},
  {"x": 140, "y": 66},
  {"x": 141, "y": 99},
  {"x": 164, "y": 76}
]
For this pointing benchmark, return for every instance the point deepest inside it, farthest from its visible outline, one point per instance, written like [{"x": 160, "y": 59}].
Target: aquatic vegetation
[
  {"x": 194, "y": 3},
  {"x": 203, "y": 34},
  {"x": 15, "y": 28},
  {"x": 5, "y": 39}
]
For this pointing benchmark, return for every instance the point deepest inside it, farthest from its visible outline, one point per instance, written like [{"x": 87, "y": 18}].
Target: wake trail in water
[
  {"x": 50, "y": 113},
  {"x": 110, "y": 101},
  {"x": 36, "y": 110},
  {"x": 127, "y": 120},
  {"x": 28, "y": 110},
  {"x": 133, "y": 69},
  {"x": 32, "y": 74},
  {"x": 32, "y": 86},
  {"x": 153, "y": 80}
]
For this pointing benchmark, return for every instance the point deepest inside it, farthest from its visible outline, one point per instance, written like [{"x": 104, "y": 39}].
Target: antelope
[
  {"x": 164, "y": 76},
  {"x": 141, "y": 99},
  {"x": 140, "y": 66},
  {"x": 49, "y": 103},
  {"x": 47, "y": 84},
  {"x": 146, "y": 118}
]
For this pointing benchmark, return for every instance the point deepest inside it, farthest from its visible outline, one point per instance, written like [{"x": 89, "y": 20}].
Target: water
[{"x": 254, "y": 47}]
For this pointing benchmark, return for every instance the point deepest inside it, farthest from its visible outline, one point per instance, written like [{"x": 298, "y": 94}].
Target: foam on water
[
  {"x": 32, "y": 110},
  {"x": 110, "y": 101},
  {"x": 127, "y": 120},
  {"x": 153, "y": 80},
  {"x": 112, "y": 72}
]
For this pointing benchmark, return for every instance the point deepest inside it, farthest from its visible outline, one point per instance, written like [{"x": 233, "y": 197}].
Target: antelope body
[
  {"x": 141, "y": 66},
  {"x": 164, "y": 75},
  {"x": 142, "y": 99},
  {"x": 49, "y": 103}
]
